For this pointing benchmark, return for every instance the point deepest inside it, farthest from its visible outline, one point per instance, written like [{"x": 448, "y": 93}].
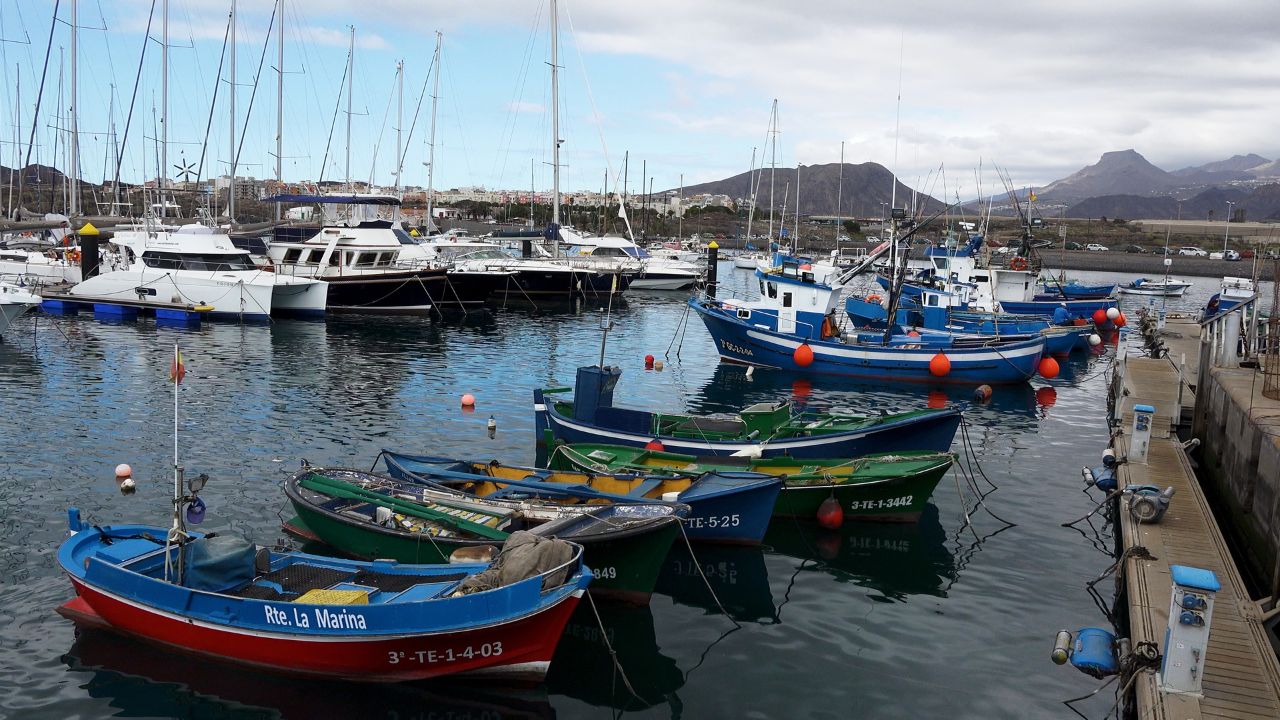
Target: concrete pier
[{"x": 1241, "y": 672}]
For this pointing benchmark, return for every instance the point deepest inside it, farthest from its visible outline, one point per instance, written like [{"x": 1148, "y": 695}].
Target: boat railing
[
  {"x": 1221, "y": 342},
  {"x": 28, "y": 281}
]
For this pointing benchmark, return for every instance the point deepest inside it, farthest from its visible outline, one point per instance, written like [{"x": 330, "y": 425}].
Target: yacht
[
  {"x": 369, "y": 262},
  {"x": 651, "y": 273},
  {"x": 196, "y": 265},
  {"x": 14, "y": 301}
]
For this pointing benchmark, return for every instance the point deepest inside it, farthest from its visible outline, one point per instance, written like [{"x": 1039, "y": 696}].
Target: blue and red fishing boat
[{"x": 220, "y": 597}]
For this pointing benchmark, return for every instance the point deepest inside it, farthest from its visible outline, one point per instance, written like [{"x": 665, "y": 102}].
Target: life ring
[
  {"x": 873, "y": 298},
  {"x": 1018, "y": 263},
  {"x": 73, "y": 256}
]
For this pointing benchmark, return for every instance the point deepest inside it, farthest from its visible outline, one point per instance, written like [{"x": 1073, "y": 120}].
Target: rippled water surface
[{"x": 927, "y": 620}]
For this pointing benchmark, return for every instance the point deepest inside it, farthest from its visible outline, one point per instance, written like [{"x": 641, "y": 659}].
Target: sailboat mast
[
  {"x": 279, "y": 102},
  {"x": 555, "y": 120},
  {"x": 74, "y": 207},
  {"x": 231, "y": 186},
  {"x": 351, "y": 56},
  {"x": 751, "y": 194},
  {"x": 164, "y": 111},
  {"x": 773, "y": 161},
  {"x": 680, "y": 208},
  {"x": 399, "y": 120},
  {"x": 431, "y": 146},
  {"x": 797, "y": 231},
  {"x": 840, "y": 197}
]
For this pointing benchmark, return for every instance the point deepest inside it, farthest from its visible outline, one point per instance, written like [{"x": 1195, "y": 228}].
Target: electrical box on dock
[
  {"x": 1187, "y": 638},
  {"x": 1141, "y": 435}
]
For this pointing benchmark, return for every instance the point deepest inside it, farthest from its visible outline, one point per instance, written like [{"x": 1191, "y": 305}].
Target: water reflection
[
  {"x": 141, "y": 680},
  {"x": 583, "y": 667},
  {"x": 896, "y": 560},
  {"x": 736, "y": 575}
]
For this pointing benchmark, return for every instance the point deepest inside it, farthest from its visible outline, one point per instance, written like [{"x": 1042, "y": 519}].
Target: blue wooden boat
[
  {"x": 1074, "y": 291},
  {"x": 730, "y": 507},
  {"x": 223, "y": 598},
  {"x": 937, "y": 319},
  {"x": 763, "y": 429}
]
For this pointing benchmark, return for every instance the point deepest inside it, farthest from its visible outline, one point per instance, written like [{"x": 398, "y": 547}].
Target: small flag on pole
[
  {"x": 1032, "y": 195},
  {"x": 177, "y": 370}
]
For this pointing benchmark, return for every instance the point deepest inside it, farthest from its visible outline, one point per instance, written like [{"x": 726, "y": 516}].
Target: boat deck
[{"x": 1241, "y": 672}]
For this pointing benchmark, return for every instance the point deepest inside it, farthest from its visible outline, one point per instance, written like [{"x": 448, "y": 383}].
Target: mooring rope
[
  {"x": 698, "y": 565},
  {"x": 613, "y": 654}
]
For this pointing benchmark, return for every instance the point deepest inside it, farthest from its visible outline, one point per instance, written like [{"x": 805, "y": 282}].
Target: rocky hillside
[{"x": 865, "y": 187}]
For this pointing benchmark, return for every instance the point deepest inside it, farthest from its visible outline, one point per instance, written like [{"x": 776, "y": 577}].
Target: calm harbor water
[{"x": 870, "y": 621}]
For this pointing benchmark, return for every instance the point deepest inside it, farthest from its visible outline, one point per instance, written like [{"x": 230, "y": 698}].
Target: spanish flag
[{"x": 177, "y": 370}]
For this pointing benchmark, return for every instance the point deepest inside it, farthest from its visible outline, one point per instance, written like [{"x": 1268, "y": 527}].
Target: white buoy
[
  {"x": 1113, "y": 313},
  {"x": 1095, "y": 339}
]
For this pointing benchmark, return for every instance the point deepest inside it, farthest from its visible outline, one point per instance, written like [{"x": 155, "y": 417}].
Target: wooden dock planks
[{"x": 1241, "y": 671}]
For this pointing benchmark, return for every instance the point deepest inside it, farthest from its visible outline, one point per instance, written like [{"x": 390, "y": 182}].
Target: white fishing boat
[
  {"x": 14, "y": 301},
  {"x": 197, "y": 265},
  {"x": 1163, "y": 288}
]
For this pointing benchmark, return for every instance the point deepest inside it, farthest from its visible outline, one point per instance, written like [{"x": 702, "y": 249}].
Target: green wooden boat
[
  {"x": 884, "y": 487},
  {"x": 372, "y": 516}
]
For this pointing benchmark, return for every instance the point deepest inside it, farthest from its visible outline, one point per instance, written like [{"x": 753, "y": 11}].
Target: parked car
[
  {"x": 1135, "y": 249},
  {"x": 1096, "y": 247},
  {"x": 1074, "y": 246},
  {"x": 1193, "y": 252},
  {"x": 1246, "y": 254},
  {"x": 1233, "y": 255}
]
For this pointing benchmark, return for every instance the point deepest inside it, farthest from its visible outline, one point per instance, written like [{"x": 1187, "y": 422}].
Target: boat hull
[
  {"x": 520, "y": 649},
  {"x": 899, "y": 499},
  {"x": 740, "y": 342},
  {"x": 933, "y": 431},
  {"x": 530, "y": 285}
]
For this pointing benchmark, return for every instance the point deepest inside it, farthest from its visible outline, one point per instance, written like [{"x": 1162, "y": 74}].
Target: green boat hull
[
  {"x": 891, "y": 499},
  {"x": 626, "y": 568}
]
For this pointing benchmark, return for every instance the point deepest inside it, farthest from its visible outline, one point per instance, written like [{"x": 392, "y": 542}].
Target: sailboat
[{"x": 14, "y": 301}]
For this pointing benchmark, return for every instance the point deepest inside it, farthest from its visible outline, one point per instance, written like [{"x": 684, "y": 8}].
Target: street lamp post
[{"x": 1227, "y": 233}]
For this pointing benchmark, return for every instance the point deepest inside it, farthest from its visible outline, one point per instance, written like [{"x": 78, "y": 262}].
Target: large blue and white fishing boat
[{"x": 793, "y": 326}]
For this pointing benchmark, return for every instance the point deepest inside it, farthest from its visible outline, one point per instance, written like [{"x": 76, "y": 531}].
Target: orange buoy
[
  {"x": 1119, "y": 320},
  {"x": 913, "y": 333},
  {"x": 1048, "y": 368},
  {"x": 830, "y": 514},
  {"x": 468, "y": 400},
  {"x": 937, "y": 399},
  {"x": 803, "y": 355},
  {"x": 982, "y": 393},
  {"x": 648, "y": 361},
  {"x": 940, "y": 365},
  {"x": 1046, "y": 396},
  {"x": 655, "y": 444},
  {"x": 1099, "y": 316}
]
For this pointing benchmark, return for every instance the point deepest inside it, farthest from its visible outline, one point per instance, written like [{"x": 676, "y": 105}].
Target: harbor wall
[
  {"x": 1144, "y": 264},
  {"x": 1240, "y": 457}
]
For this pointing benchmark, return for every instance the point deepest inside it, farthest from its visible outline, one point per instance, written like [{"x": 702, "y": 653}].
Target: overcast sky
[{"x": 1039, "y": 88}]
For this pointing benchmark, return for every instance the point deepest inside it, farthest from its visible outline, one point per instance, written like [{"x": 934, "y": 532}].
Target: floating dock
[{"x": 1241, "y": 675}]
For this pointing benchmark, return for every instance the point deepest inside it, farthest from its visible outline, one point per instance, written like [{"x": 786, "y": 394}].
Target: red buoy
[
  {"x": 1046, "y": 396},
  {"x": 655, "y": 444},
  {"x": 940, "y": 365},
  {"x": 803, "y": 355},
  {"x": 1120, "y": 320},
  {"x": 1099, "y": 316},
  {"x": 1048, "y": 368},
  {"x": 913, "y": 333},
  {"x": 830, "y": 514},
  {"x": 648, "y": 361}
]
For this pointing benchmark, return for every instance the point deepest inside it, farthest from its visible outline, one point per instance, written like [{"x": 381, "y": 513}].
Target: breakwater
[{"x": 1144, "y": 264}]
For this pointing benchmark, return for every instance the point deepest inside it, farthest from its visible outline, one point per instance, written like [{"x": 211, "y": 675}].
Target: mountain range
[{"x": 860, "y": 190}]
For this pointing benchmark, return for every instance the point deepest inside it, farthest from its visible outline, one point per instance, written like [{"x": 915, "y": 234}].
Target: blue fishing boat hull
[
  {"x": 1076, "y": 291},
  {"x": 737, "y": 340},
  {"x": 1077, "y": 308},
  {"x": 730, "y": 507}
]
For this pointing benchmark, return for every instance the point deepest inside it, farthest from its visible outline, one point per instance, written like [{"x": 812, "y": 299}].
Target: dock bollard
[
  {"x": 89, "y": 258},
  {"x": 713, "y": 257}
]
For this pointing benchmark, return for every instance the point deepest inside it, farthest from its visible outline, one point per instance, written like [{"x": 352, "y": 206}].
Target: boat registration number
[
  {"x": 605, "y": 572},
  {"x": 713, "y": 522},
  {"x": 734, "y": 348},
  {"x": 447, "y": 655},
  {"x": 881, "y": 504}
]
